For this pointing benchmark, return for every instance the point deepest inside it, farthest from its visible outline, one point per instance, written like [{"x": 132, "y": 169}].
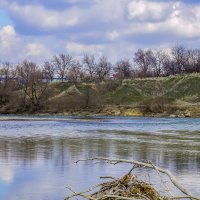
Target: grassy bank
[{"x": 165, "y": 96}]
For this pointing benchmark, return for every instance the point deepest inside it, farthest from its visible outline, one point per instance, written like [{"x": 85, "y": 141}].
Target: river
[{"x": 37, "y": 154}]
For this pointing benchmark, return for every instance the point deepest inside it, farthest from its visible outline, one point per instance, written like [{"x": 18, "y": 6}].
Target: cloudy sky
[{"x": 38, "y": 29}]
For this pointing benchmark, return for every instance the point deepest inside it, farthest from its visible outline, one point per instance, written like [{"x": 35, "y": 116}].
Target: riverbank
[
  {"x": 173, "y": 96},
  {"x": 176, "y": 110},
  {"x": 192, "y": 111}
]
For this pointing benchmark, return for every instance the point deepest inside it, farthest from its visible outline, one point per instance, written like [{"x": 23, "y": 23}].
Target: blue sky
[
  {"x": 4, "y": 18},
  {"x": 39, "y": 29}
]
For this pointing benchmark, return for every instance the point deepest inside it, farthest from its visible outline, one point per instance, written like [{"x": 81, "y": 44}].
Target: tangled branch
[{"x": 129, "y": 187}]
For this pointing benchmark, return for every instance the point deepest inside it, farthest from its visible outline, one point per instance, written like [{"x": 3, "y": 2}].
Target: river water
[{"x": 37, "y": 154}]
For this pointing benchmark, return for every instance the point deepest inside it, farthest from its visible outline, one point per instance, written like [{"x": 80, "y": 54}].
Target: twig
[
  {"x": 117, "y": 197},
  {"x": 75, "y": 194},
  {"x": 108, "y": 177},
  {"x": 81, "y": 193},
  {"x": 164, "y": 171},
  {"x": 160, "y": 176},
  {"x": 134, "y": 167}
]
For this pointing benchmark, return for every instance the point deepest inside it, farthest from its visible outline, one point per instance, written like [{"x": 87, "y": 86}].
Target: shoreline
[
  {"x": 82, "y": 116},
  {"x": 106, "y": 111}
]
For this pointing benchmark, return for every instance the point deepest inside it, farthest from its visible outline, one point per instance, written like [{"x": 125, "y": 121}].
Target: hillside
[
  {"x": 173, "y": 95},
  {"x": 164, "y": 96}
]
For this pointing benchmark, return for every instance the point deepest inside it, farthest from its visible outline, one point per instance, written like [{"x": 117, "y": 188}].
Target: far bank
[{"x": 173, "y": 96}]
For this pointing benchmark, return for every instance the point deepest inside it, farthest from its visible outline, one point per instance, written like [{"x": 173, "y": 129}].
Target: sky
[{"x": 38, "y": 29}]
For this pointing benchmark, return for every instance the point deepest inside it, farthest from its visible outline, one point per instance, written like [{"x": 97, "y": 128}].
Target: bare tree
[
  {"x": 193, "y": 61},
  {"x": 90, "y": 65},
  {"x": 75, "y": 73},
  {"x": 62, "y": 63},
  {"x": 145, "y": 61},
  {"x": 7, "y": 73},
  {"x": 169, "y": 66},
  {"x": 103, "y": 68},
  {"x": 49, "y": 70},
  {"x": 158, "y": 64},
  {"x": 123, "y": 69},
  {"x": 32, "y": 84},
  {"x": 180, "y": 57},
  {"x": 7, "y": 82}
]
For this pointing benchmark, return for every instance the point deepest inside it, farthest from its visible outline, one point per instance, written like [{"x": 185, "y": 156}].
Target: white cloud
[
  {"x": 40, "y": 17},
  {"x": 181, "y": 21},
  {"x": 8, "y": 41},
  {"x": 144, "y": 10},
  {"x": 43, "y": 19},
  {"x": 81, "y": 49},
  {"x": 113, "y": 35},
  {"x": 36, "y": 50},
  {"x": 113, "y": 28},
  {"x": 113, "y": 51},
  {"x": 7, "y": 37},
  {"x": 14, "y": 47},
  {"x": 107, "y": 11}
]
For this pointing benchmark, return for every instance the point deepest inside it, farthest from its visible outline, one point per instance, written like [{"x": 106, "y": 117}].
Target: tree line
[
  {"x": 145, "y": 63},
  {"x": 32, "y": 80}
]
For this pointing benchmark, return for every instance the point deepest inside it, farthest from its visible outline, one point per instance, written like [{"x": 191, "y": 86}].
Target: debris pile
[{"x": 130, "y": 187}]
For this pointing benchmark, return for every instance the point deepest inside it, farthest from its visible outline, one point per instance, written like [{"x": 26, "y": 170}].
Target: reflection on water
[{"x": 37, "y": 157}]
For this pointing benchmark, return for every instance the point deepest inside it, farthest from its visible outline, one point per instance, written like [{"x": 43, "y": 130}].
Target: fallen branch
[
  {"x": 82, "y": 193},
  {"x": 117, "y": 197},
  {"x": 150, "y": 166},
  {"x": 107, "y": 177}
]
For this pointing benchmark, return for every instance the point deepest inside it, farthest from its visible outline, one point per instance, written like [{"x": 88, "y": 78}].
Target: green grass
[
  {"x": 126, "y": 94},
  {"x": 187, "y": 86},
  {"x": 61, "y": 86},
  {"x": 137, "y": 90},
  {"x": 176, "y": 87},
  {"x": 148, "y": 87},
  {"x": 84, "y": 88}
]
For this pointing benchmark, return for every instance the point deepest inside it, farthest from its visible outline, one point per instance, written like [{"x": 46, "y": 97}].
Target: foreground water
[{"x": 37, "y": 154}]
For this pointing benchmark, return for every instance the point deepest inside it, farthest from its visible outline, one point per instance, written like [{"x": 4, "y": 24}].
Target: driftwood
[{"x": 129, "y": 186}]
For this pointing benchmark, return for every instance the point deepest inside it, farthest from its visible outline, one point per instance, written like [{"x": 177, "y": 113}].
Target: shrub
[{"x": 157, "y": 104}]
